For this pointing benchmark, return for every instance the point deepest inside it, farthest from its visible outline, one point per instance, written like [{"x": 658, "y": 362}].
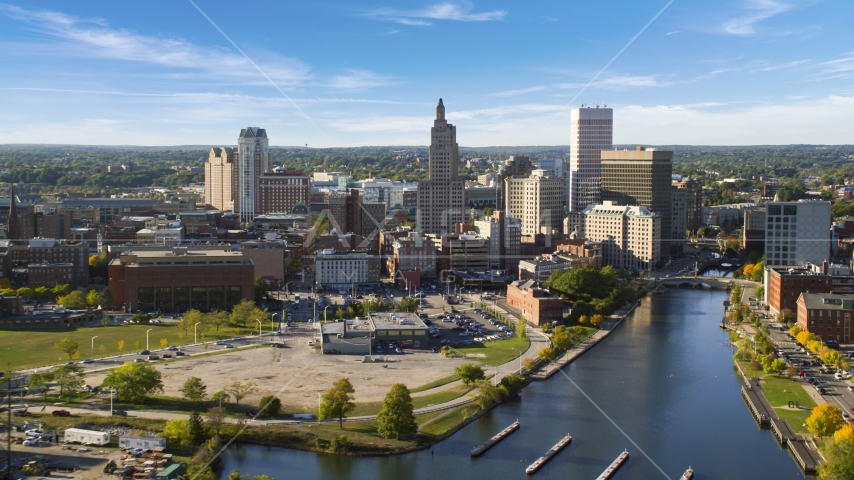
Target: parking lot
[{"x": 465, "y": 328}]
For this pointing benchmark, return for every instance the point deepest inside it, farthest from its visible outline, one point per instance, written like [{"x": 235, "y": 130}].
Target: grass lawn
[
  {"x": 441, "y": 425},
  {"x": 796, "y": 418},
  {"x": 435, "y": 383},
  {"x": 779, "y": 391},
  {"x": 372, "y": 408},
  {"x": 497, "y": 353},
  {"x": 34, "y": 348}
]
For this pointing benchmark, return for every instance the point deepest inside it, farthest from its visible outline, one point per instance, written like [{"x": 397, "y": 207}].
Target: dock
[
  {"x": 759, "y": 406},
  {"x": 688, "y": 475},
  {"x": 551, "y": 453},
  {"x": 806, "y": 457},
  {"x": 615, "y": 465},
  {"x": 495, "y": 439},
  {"x": 782, "y": 430}
]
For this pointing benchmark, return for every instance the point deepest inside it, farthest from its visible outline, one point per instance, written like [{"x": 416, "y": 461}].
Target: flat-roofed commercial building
[
  {"x": 399, "y": 328},
  {"x": 179, "y": 279},
  {"x": 797, "y": 233},
  {"x": 344, "y": 270}
]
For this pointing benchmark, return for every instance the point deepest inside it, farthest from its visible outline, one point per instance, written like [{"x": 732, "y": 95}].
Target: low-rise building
[
  {"x": 536, "y": 303},
  {"x": 784, "y": 285},
  {"x": 270, "y": 258},
  {"x": 49, "y": 274},
  {"x": 539, "y": 269},
  {"x": 827, "y": 315},
  {"x": 179, "y": 279},
  {"x": 413, "y": 252},
  {"x": 344, "y": 270}
]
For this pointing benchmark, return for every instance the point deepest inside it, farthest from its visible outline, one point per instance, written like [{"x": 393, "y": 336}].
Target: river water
[{"x": 665, "y": 378}]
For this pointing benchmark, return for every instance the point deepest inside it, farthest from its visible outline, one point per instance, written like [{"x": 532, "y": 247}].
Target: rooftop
[
  {"x": 828, "y": 301},
  {"x": 396, "y": 321}
]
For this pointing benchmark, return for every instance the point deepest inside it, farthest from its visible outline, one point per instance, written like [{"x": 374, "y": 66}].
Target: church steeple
[
  {"x": 13, "y": 228},
  {"x": 440, "y": 110}
]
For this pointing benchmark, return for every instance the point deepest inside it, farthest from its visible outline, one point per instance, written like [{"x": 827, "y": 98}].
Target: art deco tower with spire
[{"x": 441, "y": 198}]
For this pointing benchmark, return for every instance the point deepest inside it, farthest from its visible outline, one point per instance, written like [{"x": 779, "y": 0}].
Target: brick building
[
  {"x": 536, "y": 304},
  {"x": 49, "y": 274},
  {"x": 179, "y": 279},
  {"x": 826, "y": 315}
]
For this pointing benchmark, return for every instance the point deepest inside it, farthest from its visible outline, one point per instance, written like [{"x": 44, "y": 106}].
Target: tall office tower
[
  {"x": 537, "y": 201},
  {"x": 695, "y": 201},
  {"x": 591, "y": 132},
  {"x": 221, "y": 179},
  {"x": 441, "y": 198},
  {"x": 255, "y": 158},
  {"x": 641, "y": 177}
]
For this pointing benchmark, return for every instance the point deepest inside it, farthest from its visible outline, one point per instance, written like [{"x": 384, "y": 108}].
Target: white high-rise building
[
  {"x": 591, "y": 132},
  {"x": 441, "y": 198},
  {"x": 797, "y": 233},
  {"x": 253, "y": 149}
]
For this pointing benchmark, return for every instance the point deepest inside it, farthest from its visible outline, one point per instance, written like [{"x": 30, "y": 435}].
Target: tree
[
  {"x": 74, "y": 299},
  {"x": 26, "y": 293},
  {"x": 67, "y": 346},
  {"x": 561, "y": 338},
  {"x": 194, "y": 390},
  {"x": 794, "y": 331},
  {"x": 396, "y": 417},
  {"x": 759, "y": 292},
  {"x": 220, "y": 397},
  {"x": 839, "y": 460},
  {"x": 195, "y": 428},
  {"x": 337, "y": 402},
  {"x": 98, "y": 265},
  {"x": 787, "y": 316},
  {"x": 164, "y": 342},
  {"x": 61, "y": 290},
  {"x": 469, "y": 373},
  {"x": 5, "y": 284},
  {"x": 487, "y": 394},
  {"x": 546, "y": 354},
  {"x": 120, "y": 345},
  {"x": 522, "y": 328},
  {"x": 70, "y": 379},
  {"x": 824, "y": 420},
  {"x": 845, "y": 433},
  {"x": 177, "y": 432},
  {"x": 246, "y": 312},
  {"x": 582, "y": 319},
  {"x": 596, "y": 320},
  {"x": 270, "y": 406},
  {"x": 217, "y": 318},
  {"x": 141, "y": 318},
  {"x": 105, "y": 298},
  {"x": 41, "y": 380},
  {"x": 260, "y": 287},
  {"x": 239, "y": 391},
  {"x": 92, "y": 298},
  {"x": 408, "y": 304},
  {"x": 134, "y": 382},
  {"x": 216, "y": 418},
  {"x": 791, "y": 371}
]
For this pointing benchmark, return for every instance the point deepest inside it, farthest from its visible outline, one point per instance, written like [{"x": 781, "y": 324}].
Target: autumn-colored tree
[
  {"x": 546, "y": 354},
  {"x": 164, "y": 342},
  {"x": 597, "y": 320},
  {"x": 795, "y": 330},
  {"x": 845, "y": 433},
  {"x": 67, "y": 346},
  {"x": 121, "y": 345},
  {"x": 824, "y": 420},
  {"x": 582, "y": 319}
]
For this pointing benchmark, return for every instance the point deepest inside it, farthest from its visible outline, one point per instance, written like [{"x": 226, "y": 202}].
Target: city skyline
[{"x": 736, "y": 73}]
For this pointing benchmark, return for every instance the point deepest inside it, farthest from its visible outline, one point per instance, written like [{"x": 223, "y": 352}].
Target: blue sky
[{"x": 353, "y": 73}]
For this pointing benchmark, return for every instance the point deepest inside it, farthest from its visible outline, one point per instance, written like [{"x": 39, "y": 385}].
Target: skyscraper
[
  {"x": 253, "y": 150},
  {"x": 641, "y": 177},
  {"x": 537, "y": 201},
  {"x": 221, "y": 179},
  {"x": 591, "y": 132},
  {"x": 441, "y": 198}
]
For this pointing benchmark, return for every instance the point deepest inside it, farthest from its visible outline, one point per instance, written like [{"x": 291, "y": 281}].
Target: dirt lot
[
  {"x": 89, "y": 464},
  {"x": 297, "y": 373}
]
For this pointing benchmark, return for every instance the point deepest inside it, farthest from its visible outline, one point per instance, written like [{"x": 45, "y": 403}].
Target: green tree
[
  {"x": 408, "y": 304},
  {"x": 759, "y": 292},
  {"x": 134, "y": 382},
  {"x": 61, "y": 290},
  {"x": 70, "y": 380},
  {"x": 839, "y": 460},
  {"x": 26, "y": 293},
  {"x": 260, "y": 287},
  {"x": 177, "y": 432},
  {"x": 735, "y": 294},
  {"x": 194, "y": 390},
  {"x": 195, "y": 428},
  {"x": 141, "y": 318},
  {"x": 522, "y": 327},
  {"x": 92, "y": 298},
  {"x": 216, "y": 417},
  {"x": 220, "y": 397},
  {"x": 239, "y": 391},
  {"x": 487, "y": 394},
  {"x": 396, "y": 417},
  {"x": 68, "y": 346},
  {"x": 270, "y": 406},
  {"x": 787, "y": 316},
  {"x": 247, "y": 312},
  {"x": 758, "y": 271},
  {"x": 546, "y": 354},
  {"x": 470, "y": 373},
  {"x": 105, "y": 298},
  {"x": 561, "y": 338},
  {"x": 75, "y": 299},
  {"x": 337, "y": 402},
  {"x": 44, "y": 293},
  {"x": 824, "y": 420},
  {"x": 217, "y": 318},
  {"x": 42, "y": 381}
]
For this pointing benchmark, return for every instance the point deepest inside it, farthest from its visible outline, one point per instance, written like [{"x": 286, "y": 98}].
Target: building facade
[
  {"x": 537, "y": 201},
  {"x": 826, "y": 315},
  {"x": 411, "y": 253},
  {"x": 536, "y": 304},
  {"x": 221, "y": 179},
  {"x": 694, "y": 205},
  {"x": 539, "y": 269},
  {"x": 797, "y": 233},
  {"x": 630, "y": 235},
  {"x": 754, "y": 229},
  {"x": 679, "y": 222},
  {"x": 281, "y": 190},
  {"x": 48, "y": 251},
  {"x": 591, "y": 132},
  {"x": 344, "y": 270},
  {"x": 253, "y": 150},
  {"x": 179, "y": 279},
  {"x": 441, "y": 198},
  {"x": 641, "y": 177}
]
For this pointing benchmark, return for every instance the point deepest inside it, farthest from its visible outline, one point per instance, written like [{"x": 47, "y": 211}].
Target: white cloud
[
  {"x": 439, "y": 11},
  {"x": 358, "y": 79},
  {"x": 674, "y": 32},
  {"x": 760, "y": 10},
  {"x": 393, "y": 31},
  {"x": 520, "y": 91}
]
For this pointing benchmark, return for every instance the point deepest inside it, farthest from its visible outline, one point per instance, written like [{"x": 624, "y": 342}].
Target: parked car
[
  {"x": 22, "y": 413},
  {"x": 278, "y": 345},
  {"x": 120, "y": 413},
  {"x": 219, "y": 343},
  {"x": 179, "y": 353},
  {"x": 166, "y": 355},
  {"x": 61, "y": 413},
  {"x": 31, "y": 442},
  {"x": 35, "y": 432},
  {"x": 172, "y": 347},
  {"x": 144, "y": 352},
  {"x": 140, "y": 360},
  {"x": 88, "y": 360}
]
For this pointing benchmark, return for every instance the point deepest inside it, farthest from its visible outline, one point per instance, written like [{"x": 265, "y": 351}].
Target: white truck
[
  {"x": 145, "y": 443},
  {"x": 86, "y": 437}
]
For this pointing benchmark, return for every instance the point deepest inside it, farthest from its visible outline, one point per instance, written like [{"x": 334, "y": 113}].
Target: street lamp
[
  {"x": 93, "y": 346},
  {"x": 146, "y": 337},
  {"x": 195, "y": 337},
  {"x": 259, "y": 330},
  {"x": 324, "y": 313}
]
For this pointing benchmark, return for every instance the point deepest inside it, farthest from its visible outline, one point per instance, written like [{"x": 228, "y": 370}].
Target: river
[{"x": 665, "y": 378}]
